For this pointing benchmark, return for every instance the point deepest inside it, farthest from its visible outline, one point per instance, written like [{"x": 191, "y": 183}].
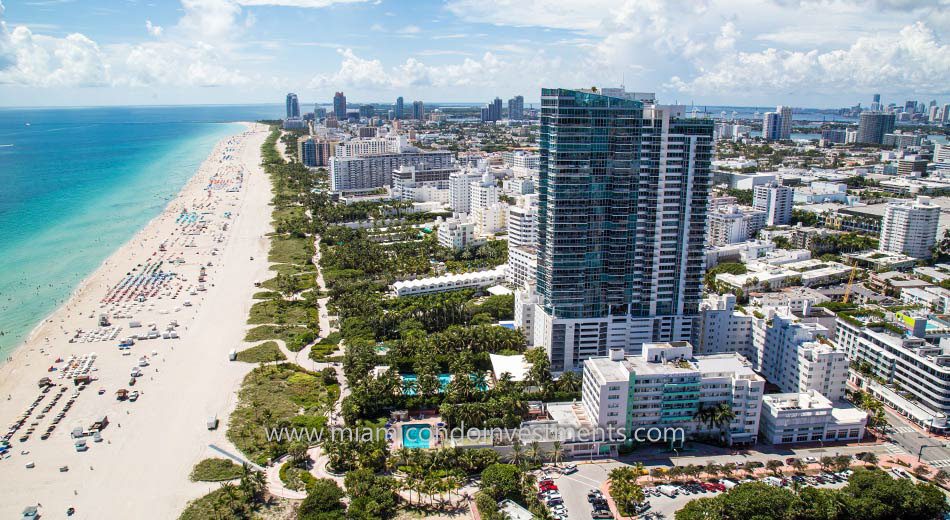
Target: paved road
[{"x": 909, "y": 439}]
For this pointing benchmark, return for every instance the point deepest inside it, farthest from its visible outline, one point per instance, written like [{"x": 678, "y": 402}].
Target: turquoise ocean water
[{"x": 75, "y": 184}]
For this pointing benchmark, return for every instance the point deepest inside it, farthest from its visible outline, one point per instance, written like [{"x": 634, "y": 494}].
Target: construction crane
[{"x": 847, "y": 289}]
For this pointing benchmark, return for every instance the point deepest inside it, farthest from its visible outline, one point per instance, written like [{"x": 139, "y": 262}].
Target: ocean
[{"x": 77, "y": 183}]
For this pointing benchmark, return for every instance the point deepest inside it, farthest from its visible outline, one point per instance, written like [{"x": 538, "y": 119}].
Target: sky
[{"x": 806, "y": 53}]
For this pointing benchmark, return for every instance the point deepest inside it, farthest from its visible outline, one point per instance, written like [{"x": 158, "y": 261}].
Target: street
[{"x": 912, "y": 441}]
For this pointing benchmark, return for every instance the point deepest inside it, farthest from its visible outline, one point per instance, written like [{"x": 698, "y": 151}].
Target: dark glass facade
[{"x": 622, "y": 207}]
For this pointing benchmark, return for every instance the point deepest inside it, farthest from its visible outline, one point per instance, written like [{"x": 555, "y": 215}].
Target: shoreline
[
  {"x": 219, "y": 216},
  {"x": 30, "y": 336}
]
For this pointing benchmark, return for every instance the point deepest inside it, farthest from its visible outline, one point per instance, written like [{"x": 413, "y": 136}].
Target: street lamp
[{"x": 921, "y": 450}]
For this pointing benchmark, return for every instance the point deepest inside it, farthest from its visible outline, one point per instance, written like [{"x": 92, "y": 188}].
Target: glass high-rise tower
[{"x": 623, "y": 192}]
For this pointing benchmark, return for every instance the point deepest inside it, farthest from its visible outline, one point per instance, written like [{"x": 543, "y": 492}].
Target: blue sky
[{"x": 820, "y": 53}]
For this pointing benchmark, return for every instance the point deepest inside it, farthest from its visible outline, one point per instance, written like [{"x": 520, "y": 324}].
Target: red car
[
  {"x": 708, "y": 486},
  {"x": 548, "y": 487}
]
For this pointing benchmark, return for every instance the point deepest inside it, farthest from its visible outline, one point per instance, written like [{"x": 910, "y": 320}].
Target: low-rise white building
[
  {"x": 934, "y": 298},
  {"x": 809, "y": 417},
  {"x": 450, "y": 282}
]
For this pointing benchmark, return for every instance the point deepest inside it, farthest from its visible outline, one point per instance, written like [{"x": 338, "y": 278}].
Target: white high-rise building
[
  {"x": 942, "y": 153},
  {"x": 483, "y": 194},
  {"x": 460, "y": 187},
  {"x": 523, "y": 222},
  {"x": 733, "y": 224},
  {"x": 910, "y": 227},
  {"x": 523, "y": 241},
  {"x": 723, "y": 328},
  {"x": 776, "y": 200}
]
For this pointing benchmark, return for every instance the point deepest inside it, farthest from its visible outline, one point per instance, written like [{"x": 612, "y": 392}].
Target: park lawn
[
  {"x": 273, "y": 395},
  {"x": 266, "y": 352},
  {"x": 216, "y": 470}
]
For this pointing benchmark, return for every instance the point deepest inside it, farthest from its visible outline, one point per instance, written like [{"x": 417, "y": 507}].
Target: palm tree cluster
[
  {"x": 875, "y": 409},
  {"x": 240, "y": 501},
  {"x": 625, "y": 490},
  {"x": 719, "y": 417}
]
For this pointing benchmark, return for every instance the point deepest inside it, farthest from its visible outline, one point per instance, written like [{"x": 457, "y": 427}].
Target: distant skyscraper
[
  {"x": 319, "y": 112},
  {"x": 772, "y": 126},
  {"x": 786, "y": 126},
  {"x": 623, "y": 192},
  {"x": 910, "y": 107},
  {"x": 496, "y": 109},
  {"x": 516, "y": 108},
  {"x": 339, "y": 106},
  {"x": 399, "y": 110},
  {"x": 293, "y": 106},
  {"x": 876, "y": 102},
  {"x": 873, "y": 125},
  {"x": 418, "y": 110}
]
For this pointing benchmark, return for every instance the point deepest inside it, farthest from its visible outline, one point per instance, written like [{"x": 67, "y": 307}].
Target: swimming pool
[{"x": 416, "y": 435}]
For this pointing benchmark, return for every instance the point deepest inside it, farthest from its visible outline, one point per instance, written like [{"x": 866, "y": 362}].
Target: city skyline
[{"x": 253, "y": 51}]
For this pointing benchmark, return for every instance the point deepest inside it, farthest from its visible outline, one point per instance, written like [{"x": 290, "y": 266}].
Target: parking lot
[{"x": 574, "y": 488}]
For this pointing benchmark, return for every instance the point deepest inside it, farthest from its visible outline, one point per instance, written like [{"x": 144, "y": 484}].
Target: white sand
[{"x": 141, "y": 469}]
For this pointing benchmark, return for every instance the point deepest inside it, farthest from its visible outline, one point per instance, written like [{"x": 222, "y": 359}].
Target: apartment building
[
  {"x": 920, "y": 369},
  {"x": 910, "y": 227},
  {"x": 616, "y": 271},
  {"x": 666, "y": 386}
]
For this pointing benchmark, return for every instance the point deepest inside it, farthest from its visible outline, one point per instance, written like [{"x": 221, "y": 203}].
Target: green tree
[
  {"x": 370, "y": 496},
  {"x": 502, "y": 481},
  {"x": 624, "y": 489},
  {"x": 323, "y": 502}
]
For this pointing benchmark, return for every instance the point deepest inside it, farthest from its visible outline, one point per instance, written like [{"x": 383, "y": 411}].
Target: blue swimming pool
[{"x": 416, "y": 435}]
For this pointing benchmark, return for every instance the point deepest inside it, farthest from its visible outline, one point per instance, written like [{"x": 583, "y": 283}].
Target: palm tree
[
  {"x": 658, "y": 473},
  {"x": 516, "y": 456},
  {"x": 941, "y": 477},
  {"x": 869, "y": 457},
  {"x": 799, "y": 465},
  {"x": 557, "y": 452},
  {"x": 774, "y": 466},
  {"x": 535, "y": 452}
]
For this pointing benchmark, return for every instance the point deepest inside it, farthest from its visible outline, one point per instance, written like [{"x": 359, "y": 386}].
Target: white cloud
[
  {"x": 912, "y": 57},
  {"x": 410, "y": 29},
  {"x": 44, "y": 61},
  {"x": 720, "y": 47},
  {"x": 154, "y": 30},
  {"x": 489, "y": 70},
  {"x": 313, "y": 4}
]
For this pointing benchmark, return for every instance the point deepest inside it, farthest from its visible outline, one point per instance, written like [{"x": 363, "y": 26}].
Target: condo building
[
  {"x": 921, "y": 370},
  {"x": 666, "y": 386},
  {"x": 622, "y": 196},
  {"x": 910, "y": 227}
]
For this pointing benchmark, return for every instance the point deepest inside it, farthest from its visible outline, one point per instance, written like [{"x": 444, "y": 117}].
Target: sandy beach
[{"x": 188, "y": 274}]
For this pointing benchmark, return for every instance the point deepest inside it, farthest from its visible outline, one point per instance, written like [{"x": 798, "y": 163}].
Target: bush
[
  {"x": 323, "y": 502},
  {"x": 216, "y": 470},
  {"x": 264, "y": 353}
]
